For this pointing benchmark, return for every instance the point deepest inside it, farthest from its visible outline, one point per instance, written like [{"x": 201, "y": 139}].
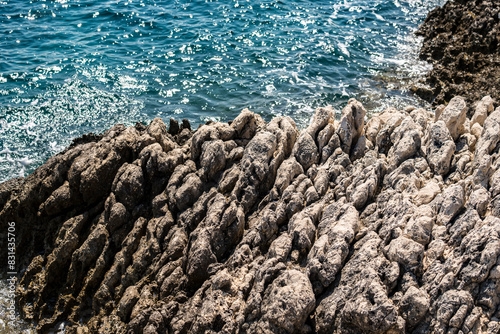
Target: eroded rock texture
[
  {"x": 254, "y": 227},
  {"x": 462, "y": 41}
]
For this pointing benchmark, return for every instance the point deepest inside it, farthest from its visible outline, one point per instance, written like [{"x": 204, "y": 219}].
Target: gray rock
[
  {"x": 452, "y": 201},
  {"x": 213, "y": 157},
  {"x": 306, "y": 151},
  {"x": 427, "y": 193},
  {"x": 325, "y": 135},
  {"x": 128, "y": 185},
  {"x": 452, "y": 308},
  {"x": 158, "y": 130},
  {"x": 358, "y": 151},
  {"x": 330, "y": 148},
  {"x": 440, "y": 148},
  {"x": 365, "y": 185},
  {"x": 200, "y": 257},
  {"x": 127, "y": 302},
  {"x": 336, "y": 231},
  {"x": 229, "y": 179},
  {"x": 488, "y": 141},
  {"x": 479, "y": 200},
  {"x": 383, "y": 141},
  {"x": 247, "y": 227},
  {"x": 407, "y": 139},
  {"x": 351, "y": 124},
  {"x": 60, "y": 200},
  {"x": 454, "y": 116},
  {"x": 204, "y": 133},
  {"x": 281, "y": 247},
  {"x": 422, "y": 117},
  {"x": 288, "y": 301},
  {"x": 373, "y": 127},
  {"x": 483, "y": 109},
  {"x": 302, "y": 229},
  {"x": 370, "y": 311},
  {"x": 189, "y": 192},
  {"x": 322, "y": 116},
  {"x": 414, "y": 305},
  {"x": 463, "y": 224},
  {"x": 419, "y": 227},
  {"x": 255, "y": 168},
  {"x": 406, "y": 252},
  {"x": 288, "y": 170}
]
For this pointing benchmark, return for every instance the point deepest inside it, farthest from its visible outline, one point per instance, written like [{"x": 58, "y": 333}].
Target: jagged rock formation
[
  {"x": 462, "y": 41},
  {"x": 250, "y": 227}
]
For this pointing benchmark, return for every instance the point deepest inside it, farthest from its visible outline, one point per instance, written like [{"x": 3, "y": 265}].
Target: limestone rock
[
  {"x": 483, "y": 109},
  {"x": 213, "y": 157},
  {"x": 288, "y": 301},
  {"x": 249, "y": 226},
  {"x": 371, "y": 311},
  {"x": 454, "y": 116},
  {"x": 452, "y": 201},
  {"x": 336, "y": 230},
  {"x": 128, "y": 185},
  {"x": 158, "y": 130},
  {"x": 440, "y": 148},
  {"x": 383, "y": 140},
  {"x": 489, "y": 137},
  {"x": 406, "y": 252},
  {"x": 246, "y": 124},
  {"x": 306, "y": 151},
  {"x": 320, "y": 120},
  {"x": 351, "y": 124},
  {"x": 427, "y": 193},
  {"x": 414, "y": 305},
  {"x": 127, "y": 302}
]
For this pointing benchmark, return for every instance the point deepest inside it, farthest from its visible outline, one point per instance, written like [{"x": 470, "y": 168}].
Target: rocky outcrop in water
[
  {"x": 391, "y": 226},
  {"x": 462, "y": 41}
]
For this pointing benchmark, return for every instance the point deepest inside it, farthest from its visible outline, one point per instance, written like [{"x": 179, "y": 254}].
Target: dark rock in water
[
  {"x": 185, "y": 124},
  {"x": 462, "y": 41},
  {"x": 173, "y": 127},
  {"x": 254, "y": 227}
]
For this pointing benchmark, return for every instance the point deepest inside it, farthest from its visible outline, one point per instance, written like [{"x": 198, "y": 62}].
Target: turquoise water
[{"x": 69, "y": 67}]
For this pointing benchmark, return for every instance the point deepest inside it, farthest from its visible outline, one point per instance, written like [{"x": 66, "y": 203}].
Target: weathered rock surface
[
  {"x": 254, "y": 227},
  {"x": 462, "y": 42}
]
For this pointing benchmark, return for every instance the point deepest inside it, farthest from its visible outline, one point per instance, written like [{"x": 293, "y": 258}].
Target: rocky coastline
[
  {"x": 386, "y": 227},
  {"x": 462, "y": 42},
  {"x": 351, "y": 225}
]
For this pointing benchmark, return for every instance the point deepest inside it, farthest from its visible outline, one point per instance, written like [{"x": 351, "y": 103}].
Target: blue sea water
[{"x": 69, "y": 67}]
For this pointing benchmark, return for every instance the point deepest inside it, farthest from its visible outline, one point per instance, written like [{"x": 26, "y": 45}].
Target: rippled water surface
[{"x": 69, "y": 67}]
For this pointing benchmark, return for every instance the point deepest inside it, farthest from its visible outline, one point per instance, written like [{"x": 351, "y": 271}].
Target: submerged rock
[{"x": 388, "y": 227}]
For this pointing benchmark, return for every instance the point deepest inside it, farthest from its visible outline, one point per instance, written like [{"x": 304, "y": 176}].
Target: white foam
[
  {"x": 25, "y": 162},
  {"x": 5, "y": 151},
  {"x": 343, "y": 48}
]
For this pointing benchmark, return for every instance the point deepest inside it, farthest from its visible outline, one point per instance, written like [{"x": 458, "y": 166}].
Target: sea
[{"x": 71, "y": 67}]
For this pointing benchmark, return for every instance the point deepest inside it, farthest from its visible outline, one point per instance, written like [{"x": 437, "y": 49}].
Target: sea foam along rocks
[{"x": 388, "y": 227}]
